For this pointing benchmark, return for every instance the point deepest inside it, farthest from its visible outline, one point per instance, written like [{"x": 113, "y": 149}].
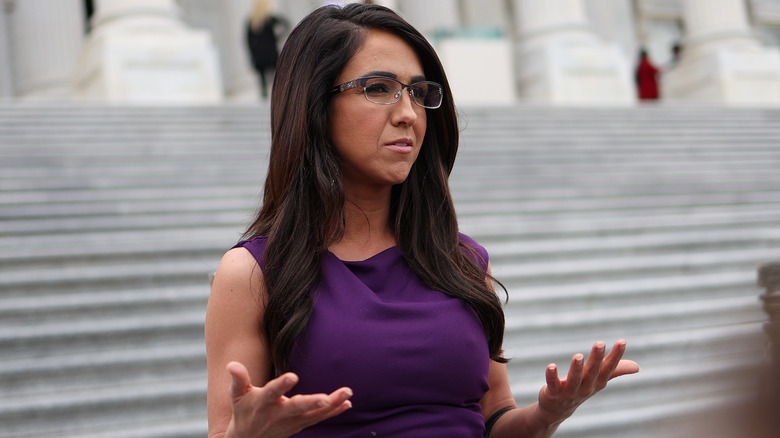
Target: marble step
[{"x": 54, "y": 413}]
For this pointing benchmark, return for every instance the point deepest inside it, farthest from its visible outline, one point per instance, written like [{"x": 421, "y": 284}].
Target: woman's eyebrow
[
  {"x": 381, "y": 73},
  {"x": 392, "y": 75}
]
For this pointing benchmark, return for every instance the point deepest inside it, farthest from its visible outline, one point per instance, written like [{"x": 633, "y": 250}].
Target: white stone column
[
  {"x": 721, "y": 61},
  {"x": 6, "y": 77},
  {"x": 615, "y": 21},
  {"x": 562, "y": 61},
  {"x": 430, "y": 16},
  {"x": 44, "y": 39},
  {"x": 226, "y": 21},
  {"x": 140, "y": 52},
  {"x": 550, "y": 18},
  {"x": 485, "y": 13},
  {"x": 477, "y": 50},
  {"x": 392, "y": 4}
]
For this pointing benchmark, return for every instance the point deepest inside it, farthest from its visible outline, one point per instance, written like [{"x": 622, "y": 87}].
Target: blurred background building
[{"x": 580, "y": 52}]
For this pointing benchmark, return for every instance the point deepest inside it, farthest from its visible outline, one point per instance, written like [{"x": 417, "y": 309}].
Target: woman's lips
[{"x": 402, "y": 145}]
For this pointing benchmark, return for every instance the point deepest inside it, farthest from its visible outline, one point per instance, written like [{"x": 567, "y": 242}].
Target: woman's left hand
[{"x": 559, "y": 398}]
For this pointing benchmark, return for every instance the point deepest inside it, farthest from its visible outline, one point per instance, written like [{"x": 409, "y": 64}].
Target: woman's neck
[{"x": 367, "y": 229}]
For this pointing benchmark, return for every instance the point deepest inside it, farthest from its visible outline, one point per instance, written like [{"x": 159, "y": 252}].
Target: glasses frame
[{"x": 361, "y": 82}]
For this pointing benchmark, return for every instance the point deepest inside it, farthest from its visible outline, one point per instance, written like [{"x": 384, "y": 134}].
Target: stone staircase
[
  {"x": 644, "y": 223},
  {"x": 111, "y": 220}
]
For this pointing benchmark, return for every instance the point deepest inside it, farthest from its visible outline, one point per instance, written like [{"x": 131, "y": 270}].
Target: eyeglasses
[{"x": 387, "y": 91}]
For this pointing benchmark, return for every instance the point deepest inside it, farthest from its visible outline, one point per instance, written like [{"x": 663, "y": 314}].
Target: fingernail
[
  {"x": 322, "y": 403},
  {"x": 348, "y": 403},
  {"x": 349, "y": 393}
]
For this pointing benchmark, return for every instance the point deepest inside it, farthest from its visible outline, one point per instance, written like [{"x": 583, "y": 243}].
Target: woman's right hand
[{"x": 266, "y": 412}]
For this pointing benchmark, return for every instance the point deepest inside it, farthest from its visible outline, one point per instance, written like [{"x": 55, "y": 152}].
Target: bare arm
[
  {"x": 233, "y": 332},
  {"x": 559, "y": 398},
  {"x": 242, "y": 401}
]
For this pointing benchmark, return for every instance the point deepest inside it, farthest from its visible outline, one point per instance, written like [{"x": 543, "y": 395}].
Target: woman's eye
[
  {"x": 419, "y": 92},
  {"x": 377, "y": 89}
]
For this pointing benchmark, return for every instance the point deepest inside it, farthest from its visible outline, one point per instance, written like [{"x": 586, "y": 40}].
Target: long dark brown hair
[{"x": 303, "y": 202}]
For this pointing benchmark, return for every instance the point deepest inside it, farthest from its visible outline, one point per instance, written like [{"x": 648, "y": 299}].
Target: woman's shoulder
[
  {"x": 255, "y": 246},
  {"x": 237, "y": 276},
  {"x": 473, "y": 249}
]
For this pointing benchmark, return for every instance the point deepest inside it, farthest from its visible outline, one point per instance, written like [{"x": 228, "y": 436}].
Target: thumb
[
  {"x": 625, "y": 367},
  {"x": 240, "y": 383}
]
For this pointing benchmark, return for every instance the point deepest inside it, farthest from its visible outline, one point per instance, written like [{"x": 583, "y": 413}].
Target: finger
[
  {"x": 240, "y": 383},
  {"x": 333, "y": 400},
  {"x": 316, "y": 407},
  {"x": 341, "y": 395},
  {"x": 611, "y": 362},
  {"x": 625, "y": 367},
  {"x": 280, "y": 386},
  {"x": 574, "y": 377},
  {"x": 337, "y": 400},
  {"x": 553, "y": 382},
  {"x": 593, "y": 365}
]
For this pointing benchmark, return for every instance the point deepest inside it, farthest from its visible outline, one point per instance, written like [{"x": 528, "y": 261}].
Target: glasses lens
[
  {"x": 380, "y": 90},
  {"x": 387, "y": 91},
  {"x": 427, "y": 94}
]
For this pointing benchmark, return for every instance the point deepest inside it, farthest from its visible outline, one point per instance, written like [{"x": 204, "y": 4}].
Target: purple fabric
[{"x": 416, "y": 359}]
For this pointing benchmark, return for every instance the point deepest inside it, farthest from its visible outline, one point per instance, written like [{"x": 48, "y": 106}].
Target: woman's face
[{"x": 378, "y": 144}]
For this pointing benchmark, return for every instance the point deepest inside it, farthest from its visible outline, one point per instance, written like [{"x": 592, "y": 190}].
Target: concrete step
[
  {"x": 155, "y": 400},
  {"x": 621, "y": 243},
  {"x": 620, "y": 266},
  {"x": 107, "y": 196},
  {"x": 611, "y": 321},
  {"x": 635, "y": 290},
  {"x": 492, "y": 227},
  {"x": 224, "y": 198},
  {"x": 658, "y": 353},
  {"x": 237, "y": 217},
  {"x": 31, "y": 310},
  {"x": 26, "y": 379},
  {"x": 725, "y": 367},
  {"x": 63, "y": 334},
  {"x": 128, "y": 206},
  {"x": 493, "y": 188},
  {"x": 92, "y": 244},
  {"x": 115, "y": 271},
  {"x": 199, "y": 175}
]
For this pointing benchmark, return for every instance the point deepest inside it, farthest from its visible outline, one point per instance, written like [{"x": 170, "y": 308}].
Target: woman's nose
[{"x": 405, "y": 111}]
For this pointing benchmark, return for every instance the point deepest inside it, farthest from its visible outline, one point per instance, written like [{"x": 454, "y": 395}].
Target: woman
[
  {"x": 355, "y": 308},
  {"x": 262, "y": 32}
]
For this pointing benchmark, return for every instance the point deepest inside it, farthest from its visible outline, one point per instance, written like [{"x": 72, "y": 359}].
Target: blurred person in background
[
  {"x": 263, "y": 33},
  {"x": 647, "y": 76}
]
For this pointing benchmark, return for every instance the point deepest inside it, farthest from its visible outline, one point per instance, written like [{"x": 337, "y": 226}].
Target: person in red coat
[{"x": 647, "y": 77}]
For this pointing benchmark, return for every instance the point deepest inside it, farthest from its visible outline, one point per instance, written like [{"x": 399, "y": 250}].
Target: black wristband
[{"x": 492, "y": 420}]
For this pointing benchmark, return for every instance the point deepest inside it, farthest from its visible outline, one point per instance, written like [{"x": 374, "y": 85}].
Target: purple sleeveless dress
[{"x": 416, "y": 359}]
